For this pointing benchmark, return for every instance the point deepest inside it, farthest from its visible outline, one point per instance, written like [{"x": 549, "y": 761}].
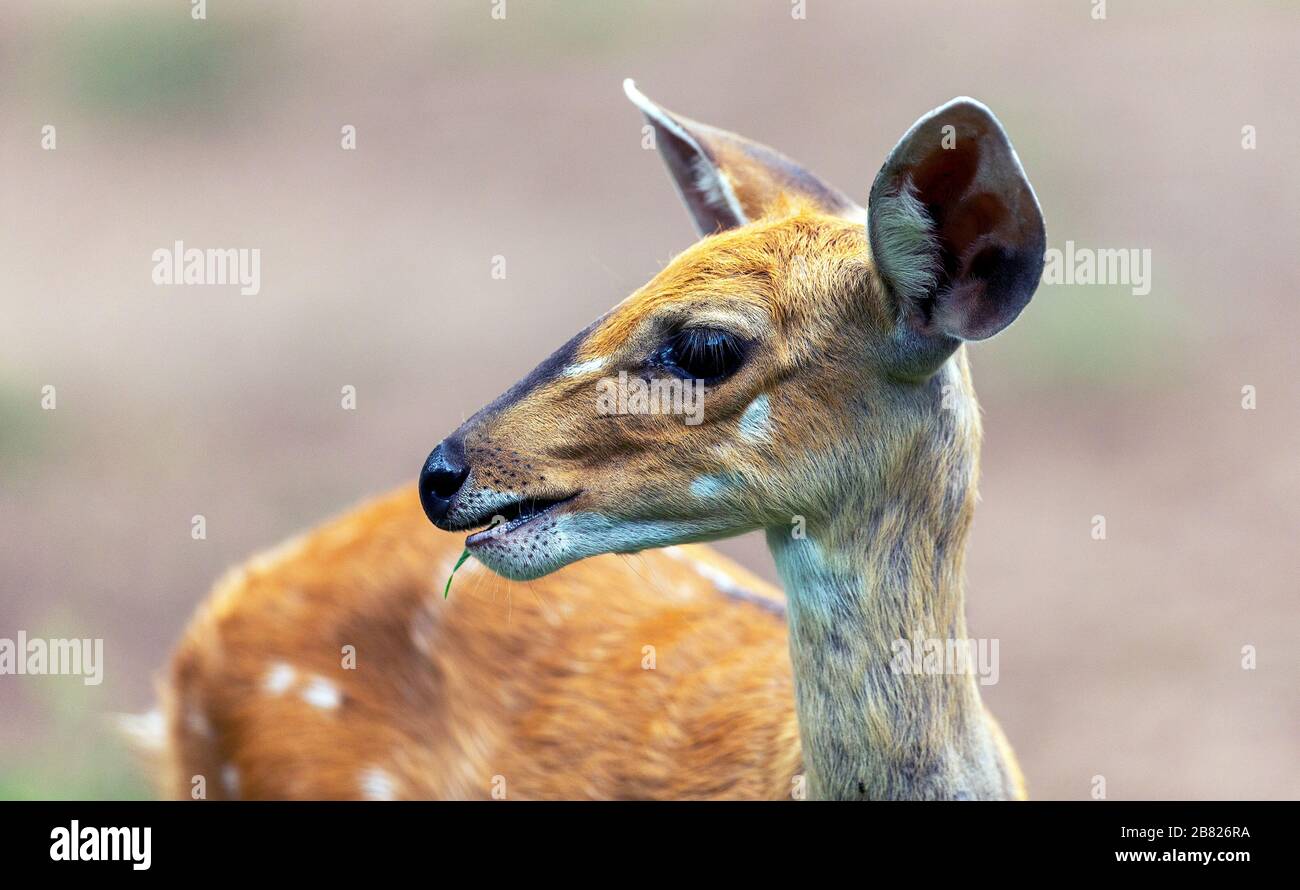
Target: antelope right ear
[
  {"x": 727, "y": 180},
  {"x": 954, "y": 226}
]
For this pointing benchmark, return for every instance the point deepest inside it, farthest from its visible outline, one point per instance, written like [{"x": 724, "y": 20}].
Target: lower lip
[{"x": 496, "y": 532}]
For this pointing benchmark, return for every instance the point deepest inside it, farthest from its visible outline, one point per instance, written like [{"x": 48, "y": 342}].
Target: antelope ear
[
  {"x": 727, "y": 180},
  {"x": 954, "y": 226}
]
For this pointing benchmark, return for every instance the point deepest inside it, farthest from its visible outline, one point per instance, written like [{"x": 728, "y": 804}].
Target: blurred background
[{"x": 479, "y": 137}]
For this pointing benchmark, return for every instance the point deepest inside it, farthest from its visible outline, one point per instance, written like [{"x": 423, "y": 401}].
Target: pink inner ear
[
  {"x": 983, "y": 262},
  {"x": 944, "y": 181},
  {"x": 975, "y": 220},
  {"x": 945, "y": 174},
  {"x": 969, "y": 311},
  {"x": 981, "y": 289}
]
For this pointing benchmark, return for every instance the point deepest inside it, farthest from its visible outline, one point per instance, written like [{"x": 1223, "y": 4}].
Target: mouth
[{"x": 509, "y": 517}]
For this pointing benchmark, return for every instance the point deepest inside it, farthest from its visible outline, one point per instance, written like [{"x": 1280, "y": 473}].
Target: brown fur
[{"x": 540, "y": 682}]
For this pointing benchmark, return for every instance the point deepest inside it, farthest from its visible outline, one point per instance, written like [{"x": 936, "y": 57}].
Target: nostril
[
  {"x": 446, "y": 481},
  {"x": 444, "y": 473}
]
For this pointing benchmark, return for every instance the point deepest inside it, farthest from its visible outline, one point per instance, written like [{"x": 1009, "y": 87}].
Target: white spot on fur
[
  {"x": 587, "y": 367},
  {"x": 376, "y": 784},
  {"x": 197, "y": 722},
  {"x": 323, "y": 694},
  {"x": 230, "y": 780},
  {"x": 754, "y": 423},
  {"x": 279, "y": 678}
]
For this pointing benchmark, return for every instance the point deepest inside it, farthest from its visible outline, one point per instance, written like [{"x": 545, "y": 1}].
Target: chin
[{"x": 548, "y": 543}]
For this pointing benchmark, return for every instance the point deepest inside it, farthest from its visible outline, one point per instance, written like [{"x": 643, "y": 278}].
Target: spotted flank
[{"x": 321, "y": 693}]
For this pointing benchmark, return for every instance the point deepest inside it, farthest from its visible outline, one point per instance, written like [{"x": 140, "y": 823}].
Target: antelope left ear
[{"x": 954, "y": 226}]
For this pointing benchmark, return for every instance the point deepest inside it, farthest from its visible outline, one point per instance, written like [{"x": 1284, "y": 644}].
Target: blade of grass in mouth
[{"x": 460, "y": 562}]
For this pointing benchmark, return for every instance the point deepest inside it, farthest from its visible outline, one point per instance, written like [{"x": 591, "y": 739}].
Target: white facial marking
[
  {"x": 323, "y": 694},
  {"x": 279, "y": 678},
  {"x": 580, "y": 368},
  {"x": 376, "y": 784},
  {"x": 754, "y": 423}
]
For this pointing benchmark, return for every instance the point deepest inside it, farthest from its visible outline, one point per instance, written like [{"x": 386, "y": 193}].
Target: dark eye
[{"x": 702, "y": 353}]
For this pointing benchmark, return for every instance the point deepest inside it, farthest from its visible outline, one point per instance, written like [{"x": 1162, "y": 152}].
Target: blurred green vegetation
[
  {"x": 20, "y": 439},
  {"x": 80, "y": 760},
  {"x": 152, "y": 61},
  {"x": 79, "y": 755},
  {"x": 1100, "y": 335}
]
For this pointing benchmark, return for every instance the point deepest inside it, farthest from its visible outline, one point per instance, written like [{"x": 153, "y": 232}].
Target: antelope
[{"x": 838, "y": 416}]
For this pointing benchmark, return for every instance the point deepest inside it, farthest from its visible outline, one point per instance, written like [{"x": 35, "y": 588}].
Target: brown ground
[{"x": 477, "y": 137}]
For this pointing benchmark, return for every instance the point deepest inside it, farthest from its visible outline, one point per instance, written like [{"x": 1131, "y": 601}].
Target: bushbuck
[{"x": 826, "y": 342}]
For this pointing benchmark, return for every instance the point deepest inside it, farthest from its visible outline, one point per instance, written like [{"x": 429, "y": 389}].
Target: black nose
[{"x": 443, "y": 475}]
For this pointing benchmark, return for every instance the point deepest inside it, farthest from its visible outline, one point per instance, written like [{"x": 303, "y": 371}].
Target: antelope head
[{"x": 808, "y": 349}]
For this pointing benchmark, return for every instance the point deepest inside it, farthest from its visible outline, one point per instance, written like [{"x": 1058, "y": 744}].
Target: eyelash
[{"x": 707, "y": 354}]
